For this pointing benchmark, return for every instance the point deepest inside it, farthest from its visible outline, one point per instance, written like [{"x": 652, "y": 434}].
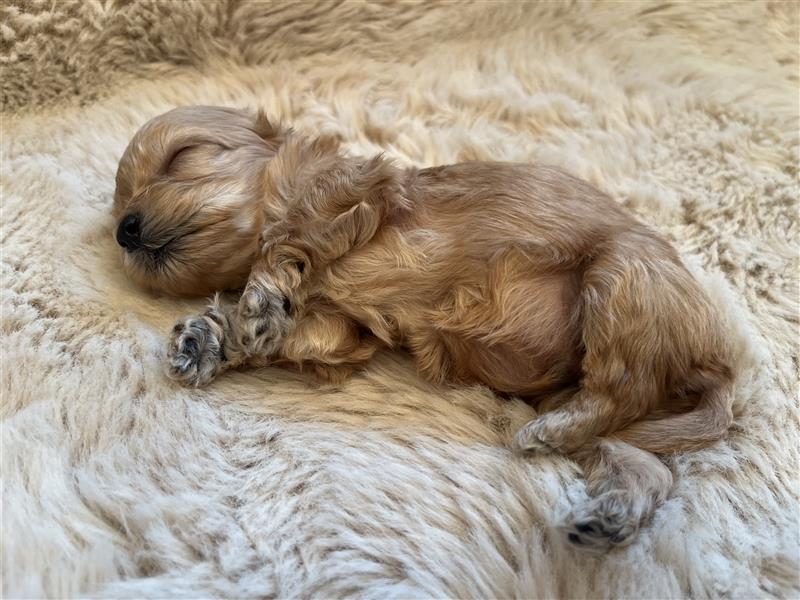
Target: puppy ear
[
  {"x": 311, "y": 176},
  {"x": 301, "y": 157},
  {"x": 296, "y": 161}
]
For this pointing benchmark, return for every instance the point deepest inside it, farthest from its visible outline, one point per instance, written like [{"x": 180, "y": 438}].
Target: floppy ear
[
  {"x": 315, "y": 183},
  {"x": 298, "y": 161}
]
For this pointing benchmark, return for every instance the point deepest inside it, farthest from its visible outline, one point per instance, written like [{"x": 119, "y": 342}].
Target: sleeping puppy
[{"x": 518, "y": 277}]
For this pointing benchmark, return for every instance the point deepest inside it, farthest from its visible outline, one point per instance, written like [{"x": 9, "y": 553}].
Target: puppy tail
[{"x": 707, "y": 423}]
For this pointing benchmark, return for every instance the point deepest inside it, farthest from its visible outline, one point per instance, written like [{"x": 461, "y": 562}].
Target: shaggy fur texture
[{"x": 118, "y": 483}]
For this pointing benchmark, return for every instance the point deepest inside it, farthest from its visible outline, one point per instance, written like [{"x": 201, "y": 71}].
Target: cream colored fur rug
[{"x": 117, "y": 483}]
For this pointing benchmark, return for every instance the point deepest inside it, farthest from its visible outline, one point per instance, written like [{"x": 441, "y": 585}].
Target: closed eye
[
  {"x": 175, "y": 159},
  {"x": 181, "y": 157}
]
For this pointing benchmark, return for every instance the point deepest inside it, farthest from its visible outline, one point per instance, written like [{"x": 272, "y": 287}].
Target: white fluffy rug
[{"x": 117, "y": 483}]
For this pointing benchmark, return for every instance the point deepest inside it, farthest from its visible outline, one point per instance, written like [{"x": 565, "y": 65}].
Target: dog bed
[{"x": 118, "y": 483}]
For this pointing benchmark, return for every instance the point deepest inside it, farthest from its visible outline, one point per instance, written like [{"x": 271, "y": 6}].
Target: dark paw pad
[
  {"x": 602, "y": 523},
  {"x": 191, "y": 347},
  {"x": 263, "y": 319},
  {"x": 195, "y": 353}
]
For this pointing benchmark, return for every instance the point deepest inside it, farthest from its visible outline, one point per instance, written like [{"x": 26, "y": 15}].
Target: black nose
[{"x": 128, "y": 234}]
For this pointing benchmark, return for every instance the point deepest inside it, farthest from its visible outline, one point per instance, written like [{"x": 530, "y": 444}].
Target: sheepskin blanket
[{"x": 118, "y": 483}]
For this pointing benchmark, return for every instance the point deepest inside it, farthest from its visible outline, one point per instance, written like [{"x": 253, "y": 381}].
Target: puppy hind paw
[
  {"x": 601, "y": 523},
  {"x": 531, "y": 438},
  {"x": 195, "y": 354}
]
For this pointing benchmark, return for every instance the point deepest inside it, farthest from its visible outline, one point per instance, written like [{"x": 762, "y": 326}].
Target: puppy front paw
[
  {"x": 263, "y": 319},
  {"x": 195, "y": 353}
]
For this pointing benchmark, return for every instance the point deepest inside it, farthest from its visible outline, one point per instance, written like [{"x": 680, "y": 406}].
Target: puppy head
[{"x": 187, "y": 197}]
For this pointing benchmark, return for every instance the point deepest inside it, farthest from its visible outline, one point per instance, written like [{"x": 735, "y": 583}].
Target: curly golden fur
[{"x": 519, "y": 277}]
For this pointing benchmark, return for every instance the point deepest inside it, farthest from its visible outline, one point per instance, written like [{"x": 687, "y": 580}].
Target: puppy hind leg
[
  {"x": 626, "y": 333},
  {"x": 555, "y": 400},
  {"x": 628, "y": 351},
  {"x": 567, "y": 427},
  {"x": 593, "y": 411},
  {"x": 625, "y": 485},
  {"x": 646, "y": 327}
]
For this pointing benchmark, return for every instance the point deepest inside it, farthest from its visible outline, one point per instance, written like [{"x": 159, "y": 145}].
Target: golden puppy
[{"x": 519, "y": 277}]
